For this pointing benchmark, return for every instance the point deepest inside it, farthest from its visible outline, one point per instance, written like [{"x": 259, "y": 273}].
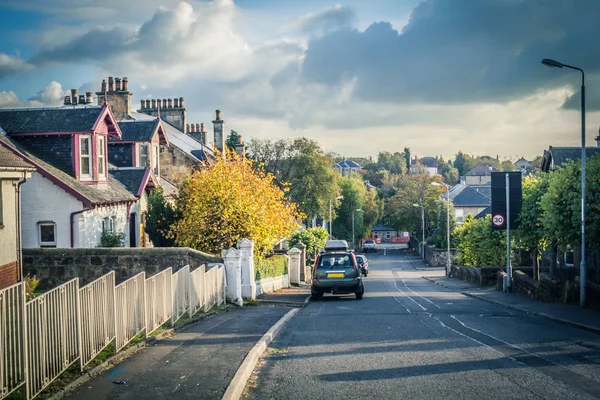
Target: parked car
[
  {"x": 363, "y": 263},
  {"x": 369, "y": 245},
  {"x": 336, "y": 271}
]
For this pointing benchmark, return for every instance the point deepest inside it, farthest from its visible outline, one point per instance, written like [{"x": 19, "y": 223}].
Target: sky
[{"x": 359, "y": 77}]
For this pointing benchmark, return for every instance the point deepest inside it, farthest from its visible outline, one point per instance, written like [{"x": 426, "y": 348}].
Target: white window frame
[
  {"x": 89, "y": 176},
  {"x": 147, "y": 147},
  {"x": 388, "y": 235},
  {"x": 39, "y": 229},
  {"x": 101, "y": 155},
  {"x": 108, "y": 224},
  {"x": 155, "y": 160}
]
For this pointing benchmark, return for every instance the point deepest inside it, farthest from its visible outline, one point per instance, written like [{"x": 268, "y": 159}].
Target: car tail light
[{"x": 315, "y": 282}]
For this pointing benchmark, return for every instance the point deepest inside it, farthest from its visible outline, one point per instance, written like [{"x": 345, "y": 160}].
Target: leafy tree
[
  {"x": 232, "y": 139},
  {"x": 478, "y": 244},
  {"x": 460, "y": 163},
  {"x": 159, "y": 219},
  {"x": 407, "y": 158},
  {"x": 313, "y": 238},
  {"x": 449, "y": 173},
  {"x": 440, "y": 233},
  {"x": 354, "y": 192},
  {"x": 394, "y": 163},
  {"x": 229, "y": 200},
  {"x": 531, "y": 235},
  {"x": 112, "y": 239}
]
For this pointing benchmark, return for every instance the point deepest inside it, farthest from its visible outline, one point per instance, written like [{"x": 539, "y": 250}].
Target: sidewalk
[
  {"x": 197, "y": 363},
  {"x": 296, "y": 296},
  {"x": 566, "y": 314},
  {"x": 419, "y": 264}
]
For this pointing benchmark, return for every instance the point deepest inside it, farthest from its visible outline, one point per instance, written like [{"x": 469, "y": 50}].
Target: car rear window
[
  {"x": 335, "y": 261},
  {"x": 369, "y": 242}
]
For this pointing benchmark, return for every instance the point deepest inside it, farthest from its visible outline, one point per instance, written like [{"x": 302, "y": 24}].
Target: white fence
[{"x": 41, "y": 338}]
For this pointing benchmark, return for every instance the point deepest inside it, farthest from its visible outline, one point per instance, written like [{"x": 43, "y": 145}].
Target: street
[{"x": 411, "y": 339}]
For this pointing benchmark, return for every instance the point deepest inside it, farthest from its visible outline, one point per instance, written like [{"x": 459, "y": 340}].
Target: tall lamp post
[
  {"x": 422, "y": 229},
  {"x": 330, "y": 218},
  {"x": 583, "y": 264},
  {"x": 357, "y": 210},
  {"x": 447, "y": 222}
]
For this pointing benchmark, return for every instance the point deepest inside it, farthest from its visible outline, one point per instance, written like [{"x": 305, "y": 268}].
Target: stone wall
[
  {"x": 433, "y": 256},
  {"x": 480, "y": 276},
  {"x": 56, "y": 266},
  {"x": 175, "y": 164}
]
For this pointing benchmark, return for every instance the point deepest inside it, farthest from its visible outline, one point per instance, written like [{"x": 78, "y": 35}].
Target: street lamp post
[
  {"x": 353, "y": 244},
  {"x": 583, "y": 264},
  {"x": 422, "y": 229},
  {"x": 448, "y": 264},
  {"x": 330, "y": 217}
]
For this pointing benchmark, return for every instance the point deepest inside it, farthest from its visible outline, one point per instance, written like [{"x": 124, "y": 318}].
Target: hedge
[{"x": 270, "y": 267}]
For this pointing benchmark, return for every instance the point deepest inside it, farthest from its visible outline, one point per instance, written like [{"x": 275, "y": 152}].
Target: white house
[{"x": 346, "y": 167}]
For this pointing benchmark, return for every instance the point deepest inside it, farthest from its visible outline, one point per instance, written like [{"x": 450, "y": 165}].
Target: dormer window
[
  {"x": 101, "y": 158},
  {"x": 85, "y": 157},
  {"x": 155, "y": 157},
  {"x": 144, "y": 156}
]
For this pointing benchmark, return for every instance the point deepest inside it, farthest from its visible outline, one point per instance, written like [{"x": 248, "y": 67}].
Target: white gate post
[
  {"x": 294, "y": 269},
  {"x": 233, "y": 268},
  {"x": 246, "y": 249}
]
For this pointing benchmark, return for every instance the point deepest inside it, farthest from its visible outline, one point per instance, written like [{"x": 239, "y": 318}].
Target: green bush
[
  {"x": 313, "y": 238},
  {"x": 160, "y": 218},
  {"x": 112, "y": 239},
  {"x": 31, "y": 283},
  {"x": 478, "y": 244},
  {"x": 270, "y": 267}
]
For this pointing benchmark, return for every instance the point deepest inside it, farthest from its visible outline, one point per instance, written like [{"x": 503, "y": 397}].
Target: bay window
[
  {"x": 101, "y": 158},
  {"x": 143, "y": 158},
  {"x": 85, "y": 157},
  {"x": 155, "y": 159}
]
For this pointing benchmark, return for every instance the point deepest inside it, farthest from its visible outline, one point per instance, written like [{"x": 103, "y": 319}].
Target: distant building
[
  {"x": 385, "y": 233},
  {"x": 346, "y": 167},
  {"x": 556, "y": 156},
  {"x": 481, "y": 174},
  {"x": 469, "y": 200},
  {"x": 426, "y": 164},
  {"x": 524, "y": 166}
]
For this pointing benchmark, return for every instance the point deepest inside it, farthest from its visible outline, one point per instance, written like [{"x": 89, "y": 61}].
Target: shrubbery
[
  {"x": 270, "y": 267},
  {"x": 478, "y": 244},
  {"x": 313, "y": 238}
]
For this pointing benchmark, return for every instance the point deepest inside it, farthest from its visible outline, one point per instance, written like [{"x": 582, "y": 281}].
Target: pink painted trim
[
  {"x": 107, "y": 112},
  {"x": 76, "y": 159},
  {"x": 94, "y": 182},
  {"x": 94, "y": 155},
  {"x": 129, "y": 142},
  {"x": 50, "y": 133},
  {"x": 162, "y": 134},
  {"x": 148, "y": 178}
]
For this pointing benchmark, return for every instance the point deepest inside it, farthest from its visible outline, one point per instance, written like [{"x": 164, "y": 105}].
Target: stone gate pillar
[
  {"x": 294, "y": 268},
  {"x": 246, "y": 249},
  {"x": 304, "y": 274},
  {"x": 233, "y": 269}
]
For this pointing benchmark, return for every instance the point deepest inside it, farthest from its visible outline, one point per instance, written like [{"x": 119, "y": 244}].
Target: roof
[
  {"x": 169, "y": 189},
  {"x": 57, "y": 119},
  {"x": 11, "y": 161},
  {"x": 135, "y": 179},
  {"x": 481, "y": 170},
  {"x": 176, "y": 137},
  {"x": 557, "y": 156},
  {"x": 382, "y": 228},
  {"x": 348, "y": 164},
  {"x": 466, "y": 196},
  {"x": 90, "y": 195},
  {"x": 429, "y": 162},
  {"x": 483, "y": 213},
  {"x": 138, "y": 131}
]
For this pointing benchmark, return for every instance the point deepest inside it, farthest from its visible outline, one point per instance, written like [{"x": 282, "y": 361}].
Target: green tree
[
  {"x": 232, "y": 140},
  {"x": 354, "y": 192},
  {"x": 440, "y": 233},
  {"x": 159, "y": 219},
  {"x": 407, "y": 158},
  {"x": 313, "y": 238},
  {"x": 478, "y": 244},
  {"x": 460, "y": 163}
]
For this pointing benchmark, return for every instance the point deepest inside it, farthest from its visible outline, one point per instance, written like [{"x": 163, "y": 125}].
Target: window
[
  {"x": 85, "y": 157},
  {"x": 108, "y": 224},
  {"x": 388, "y": 235},
  {"x": 101, "y": 157},
  {"x": 155, "y": 160},
  {"x": 143, "y": 162},
  {"x": 1, "y": 212},
  {"x": 47, "y": 234}
]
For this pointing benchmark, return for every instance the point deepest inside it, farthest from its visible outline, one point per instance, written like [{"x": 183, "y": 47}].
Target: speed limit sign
[{"x": 498, "y": 220}]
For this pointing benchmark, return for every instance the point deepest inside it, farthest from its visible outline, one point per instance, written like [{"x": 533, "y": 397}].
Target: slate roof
[
  {"x": 131, "y": 178},
  {"x": 169, "y": 189},
  {"x": 10, "y": 161},
  {"x": 483, "y": 213},
  {"x": 481, "y": 170},
  {"x": 466, "y": 196},
  {"x": 89, "y": 195},
  {"x": 137, "y": 131},
  {"x": 57, "y": 119},
  {"x": 382, "y": 228},
  {"x": 347, "y": 164},
  {"x": 429, "y": 162},
  {"x": 556, "y": 156}
]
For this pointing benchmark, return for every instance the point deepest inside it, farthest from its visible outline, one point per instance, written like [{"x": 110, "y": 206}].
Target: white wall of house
[
  {"x": 8, "y": 227},
  {"x": 462, "y": 212},
  {"x": 88, "y": 225},
  {"x": 41, "y": 200}
]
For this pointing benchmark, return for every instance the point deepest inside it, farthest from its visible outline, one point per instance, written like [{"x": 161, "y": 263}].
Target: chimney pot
[
  {"x": 143, "y": 104},
  {"x": 187, "y": 128},
  {"x": 103, "y": 85},
  {"x": 67, "y": 101},
  {"x": 111, "y": 84},
  {"x": 202, "y": 128},
  {"x": 240, "y": 140},
  {"x": 164, "y": 103},
  {"x": 198, "y": 128},
  {"x": 218, "y": 115},
  {"x": 181, "y": 102},
  {"x": 74, "y": 96},
  {"x": 81, "y": 99},
  {"x": 125, "y": 84},
  {"x": 176, "y": 102},
  {"x": 170, "y": 101},
  {"x": 153, "y": 103},
  {"x": 118, "y": 84},
  {"x": 89, "y": 98}
]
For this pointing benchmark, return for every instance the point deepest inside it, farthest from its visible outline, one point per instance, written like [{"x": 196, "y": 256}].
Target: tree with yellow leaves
[{"x": 229, "y": 200}]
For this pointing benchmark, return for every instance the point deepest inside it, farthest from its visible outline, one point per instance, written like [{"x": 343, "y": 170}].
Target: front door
[{"x": 132, "y": 233}]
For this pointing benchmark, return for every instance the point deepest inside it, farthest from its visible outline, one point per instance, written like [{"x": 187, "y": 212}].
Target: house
[
  {"x": 71, "y": 198},
  {"x": 524, "y": 166},
  {"x": 346, "y": 167},
  {"x": 385, "y": 233},
  {"x": 14, "y": 171},
  {"x": 556, "y": 156},
  {"x": 469, "y": 200},
  {"x": 481, "y": 174},
  {"x": 425, "y": 164}
]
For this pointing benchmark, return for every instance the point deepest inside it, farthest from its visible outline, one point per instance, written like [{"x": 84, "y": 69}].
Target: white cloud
[
  {"x": 52, "y": 95},
  {"x": 10, "y": 65}
]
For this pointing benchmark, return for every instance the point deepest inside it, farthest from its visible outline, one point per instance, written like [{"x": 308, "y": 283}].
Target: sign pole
[{"x": 508, "y": 266}]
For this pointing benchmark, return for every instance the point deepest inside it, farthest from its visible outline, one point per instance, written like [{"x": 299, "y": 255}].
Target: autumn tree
[
  {"x": 229, "y": 200},
  {"x": 160, "y": 219}
]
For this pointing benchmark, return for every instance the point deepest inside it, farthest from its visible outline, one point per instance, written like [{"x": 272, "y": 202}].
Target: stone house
[
  {"x": 524, "y": 166},
  {"x": 71, "y": 198},
  {"x": 469, "y": 200},
  {"x": 481, "y": 174},
  {"x": 385, "y": 233},
  {"x": 424, "y": 165},
  {"x": 14, "y": 171},
  {"x": 556, "y": 156}
]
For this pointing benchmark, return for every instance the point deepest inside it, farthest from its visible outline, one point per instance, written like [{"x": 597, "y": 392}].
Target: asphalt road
[{"x": 411, "y": 339}]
